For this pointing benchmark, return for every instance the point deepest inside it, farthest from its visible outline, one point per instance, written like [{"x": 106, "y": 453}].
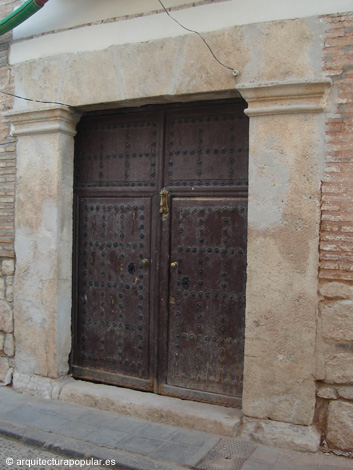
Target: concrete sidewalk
[{"x": 80, "y": 432}]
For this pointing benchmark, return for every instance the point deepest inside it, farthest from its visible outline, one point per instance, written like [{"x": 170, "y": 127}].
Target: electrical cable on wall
[
  {"x": 235, "y": 72},
  {"x": 34, "y": 101}
]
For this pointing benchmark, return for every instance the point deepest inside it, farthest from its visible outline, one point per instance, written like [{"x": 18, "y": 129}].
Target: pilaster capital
[
  {"x": 288, "y": 97},
  {"x": 48, "y": 120}
]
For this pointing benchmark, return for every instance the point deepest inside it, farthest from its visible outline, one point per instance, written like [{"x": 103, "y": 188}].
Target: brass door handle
[
  {"x": 174, "y": 265},
  {"x": 163, "y": 204},
  {"x": 145, "y": 262}
]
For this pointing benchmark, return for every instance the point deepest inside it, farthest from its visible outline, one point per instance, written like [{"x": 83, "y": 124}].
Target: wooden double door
[{"x": 160, "y": 250}]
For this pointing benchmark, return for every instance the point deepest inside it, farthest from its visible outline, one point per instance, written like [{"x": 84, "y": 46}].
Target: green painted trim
[{"x": 20, "y": 15}]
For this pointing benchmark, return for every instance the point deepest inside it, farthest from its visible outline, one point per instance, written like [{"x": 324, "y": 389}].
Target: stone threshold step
[{"x": 149, "y": 406}]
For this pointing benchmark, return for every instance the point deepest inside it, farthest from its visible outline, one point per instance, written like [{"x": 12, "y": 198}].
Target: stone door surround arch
[{"x": 286, "y": 156}]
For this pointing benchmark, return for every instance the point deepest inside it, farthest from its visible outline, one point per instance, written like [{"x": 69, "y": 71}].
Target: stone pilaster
[
  {"x": 285, "y": 168},
  {"x": 43, "y": 245}
]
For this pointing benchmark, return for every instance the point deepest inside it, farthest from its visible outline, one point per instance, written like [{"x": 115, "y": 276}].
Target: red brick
[
  {"x": 7, "y": 167},
  {"x": 335, "y": 127},
  {"x": 338, "y": 41},
  {"x": 339, "y": 30},
  {"x": 336, "y": 275},
  {"x": 329, "y": 265}
]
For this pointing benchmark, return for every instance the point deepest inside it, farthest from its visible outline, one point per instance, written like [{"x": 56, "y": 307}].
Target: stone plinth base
[
  {"x": 192, "y": 415},
  {"x": 286, "y": 435}
]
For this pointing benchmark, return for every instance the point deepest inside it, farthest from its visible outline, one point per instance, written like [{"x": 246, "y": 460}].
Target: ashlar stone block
[
  {"x": 4, "y": 367},
  {"x": 9, "y": 293},
  {"x": 340, "y": 425},
  {"x": 337, "y": 290},
  {"x": 2, "y": 288},
  {"x": 339, "y": 368},
  {"x": 279, "y": 434},
  {"x": 6, "y": 317},
  {"x": 9, "y": 345},
  {"x": 345, "y": 392},
  {"x": 2, "y": 340},
  {"x": 337, "y": 320},
  {"x": 329, "y": 393},
  {"x": 8, "y": 267}
]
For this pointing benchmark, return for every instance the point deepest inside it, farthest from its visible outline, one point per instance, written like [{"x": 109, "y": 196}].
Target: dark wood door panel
[
  {"x": 113, "y": 286},
  {"x": 120, "y": 151},
  {"x": 207, "y": 147},
  {"x": 207, "y": 294}
]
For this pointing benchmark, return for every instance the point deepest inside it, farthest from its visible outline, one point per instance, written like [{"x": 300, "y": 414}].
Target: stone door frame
[{"x": 286, "y": 159}]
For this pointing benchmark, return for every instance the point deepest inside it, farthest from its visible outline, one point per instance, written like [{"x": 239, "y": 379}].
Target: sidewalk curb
[{"x": 75, "y": 448}]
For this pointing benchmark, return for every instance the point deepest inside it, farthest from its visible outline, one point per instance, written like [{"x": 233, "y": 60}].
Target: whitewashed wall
[
  {"x": 61, "y": 14},
  {"x": 66, "y": 15}
]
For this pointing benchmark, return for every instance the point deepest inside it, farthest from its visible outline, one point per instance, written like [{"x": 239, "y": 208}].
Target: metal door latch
[{"x": 163, "y": 205}]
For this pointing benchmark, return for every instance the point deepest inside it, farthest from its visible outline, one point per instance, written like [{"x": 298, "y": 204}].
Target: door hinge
[{"x": 163, "y": 204}]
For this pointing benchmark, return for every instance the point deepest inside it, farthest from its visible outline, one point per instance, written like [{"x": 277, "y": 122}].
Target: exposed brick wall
[
  {"x": 337, "y": 189},
  {"x": 7, "y": 144},
  {"x": 335, "y": 320},
  {"x": 7, "y": 204}
]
